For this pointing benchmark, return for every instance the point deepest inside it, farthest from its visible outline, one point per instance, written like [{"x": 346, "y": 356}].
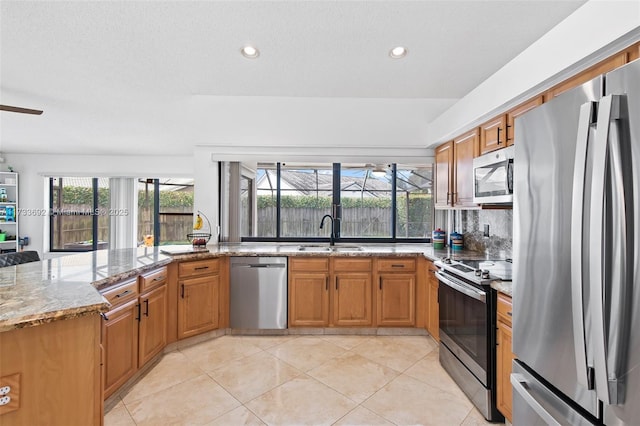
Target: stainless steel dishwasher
[{"x": 258, "y": 293}]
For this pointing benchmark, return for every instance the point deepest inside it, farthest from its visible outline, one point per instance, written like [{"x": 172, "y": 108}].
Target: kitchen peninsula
[{"x": 50, "y": 333}]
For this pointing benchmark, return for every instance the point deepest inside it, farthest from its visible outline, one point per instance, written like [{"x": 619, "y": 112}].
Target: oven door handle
[{"x": 462, "y": 287}]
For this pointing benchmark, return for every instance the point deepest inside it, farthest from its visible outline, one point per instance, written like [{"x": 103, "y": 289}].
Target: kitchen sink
[
  {"x": 314, "y": 248},
  {"x": 324, "y": 248}
]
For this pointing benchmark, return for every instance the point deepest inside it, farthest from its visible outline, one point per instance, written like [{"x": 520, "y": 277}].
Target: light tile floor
[{"x": 298, "y": 380}]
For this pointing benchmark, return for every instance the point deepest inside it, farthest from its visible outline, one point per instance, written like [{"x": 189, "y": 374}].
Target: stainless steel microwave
[{"x": 493, "y": 177}]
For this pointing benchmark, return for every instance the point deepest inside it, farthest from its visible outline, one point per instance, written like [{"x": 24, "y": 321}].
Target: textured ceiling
[{"x": 157, "y": 74}]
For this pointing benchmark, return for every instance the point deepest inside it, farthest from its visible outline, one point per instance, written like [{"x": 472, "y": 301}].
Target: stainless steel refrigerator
[{"x": 576, "y": 326}]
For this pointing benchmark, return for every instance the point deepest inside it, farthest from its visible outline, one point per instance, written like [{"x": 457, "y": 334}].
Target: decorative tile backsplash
[{"x": 500, "y": 241}]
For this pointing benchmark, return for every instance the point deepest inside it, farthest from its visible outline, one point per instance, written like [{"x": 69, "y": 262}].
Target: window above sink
[{"x": 369, "y": 202}]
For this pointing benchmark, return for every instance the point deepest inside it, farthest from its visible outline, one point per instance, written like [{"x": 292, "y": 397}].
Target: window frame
[
  {"x": 336, "y": 200},
  {"x": 94, "y": 217}
]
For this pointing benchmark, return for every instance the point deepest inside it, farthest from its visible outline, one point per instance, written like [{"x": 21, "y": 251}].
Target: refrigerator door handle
[
  {"x": 519, "y": 382},
  {"x": 577, "y": 231},
  {"x": 609, "y": 387}
]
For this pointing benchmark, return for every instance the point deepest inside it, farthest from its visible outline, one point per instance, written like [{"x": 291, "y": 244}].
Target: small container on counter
[
  {"x": 438, "y": 237},
  {"x": 457, "y": 241}
]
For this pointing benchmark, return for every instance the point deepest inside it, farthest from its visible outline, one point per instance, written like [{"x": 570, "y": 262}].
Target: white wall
[
  {"x": 592, "y": 33},
  {"x": 34, "y": 169},
  {"x": 206, "y": 188}
]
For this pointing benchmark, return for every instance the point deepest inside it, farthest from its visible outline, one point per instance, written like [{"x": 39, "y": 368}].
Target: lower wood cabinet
[
  {"x": 309, "y": 299},
  {"x": 198, "y": 307},
  {"x": 135, "y": 329},
  {"x": 352, "y": 304},
  {"x": 433, "y": 316},
  {"x": 330, "y": 292},
  {"x": 505, "y": 357},
  {"x": 396, "y": 299},
  {"x": 153, "y": 324},
  {"x": 120, "y": 340}
]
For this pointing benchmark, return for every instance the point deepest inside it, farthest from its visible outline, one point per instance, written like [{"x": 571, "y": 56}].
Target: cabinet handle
[
  {"x": 104, "y": 316},
  {"x": 336, "y": 283},
  {"x": 499, "y": 135},
  {"x": 159, "y": 279},
  {"x": 397, "y": 266},
  {"x": 139, "y": 306},
  {"x": 380, "y": 282},
  {"x": 124, "y": 293},
  {"x": 507, "y": 133},
  {"x": 182, "y": 291},
  {"x": 200, "y": 268},
  {"x": 146, "y": 308},
  {"x": 326, "y": 283},
  {"x": 510, "y": 313}
]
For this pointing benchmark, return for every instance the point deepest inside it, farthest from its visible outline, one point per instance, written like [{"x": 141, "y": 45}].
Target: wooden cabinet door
[
  {"x": 517, "y": 112},
  {"x": 396, "y": 300},
  {"x": 605, "y": 66},
  {"x": 504, "y": 355},
  {"x": 465, "y": 150},
  {"x": 493, "y": 135},
  {"x": 444, "y": 175},
  {"x": 309, "y": 299},
  {"x": 433, "y": 320},
  {"x": 198, "y": 308},
  {"x": 153, "y": 324},
  {"x": 352, "y": 304},
  {"x": 503, "y": 370},
  {"x": 121, "y": 346}
]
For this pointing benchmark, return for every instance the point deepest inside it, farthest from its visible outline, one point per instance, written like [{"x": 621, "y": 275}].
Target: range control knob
[
  {"x": 478, "y": 272},
  {"x": 485, "y": 274},
  {"x": 447, "y": 261}
]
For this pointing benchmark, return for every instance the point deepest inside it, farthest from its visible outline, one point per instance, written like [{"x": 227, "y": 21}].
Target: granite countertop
[
  {"x": 505, "y": 287},
  {"x": 319, "y": 249},
  {"x": 67, "y": 287}
]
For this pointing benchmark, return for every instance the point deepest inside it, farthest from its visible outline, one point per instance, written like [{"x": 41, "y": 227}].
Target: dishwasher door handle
[{"x": 260, "y": 265}]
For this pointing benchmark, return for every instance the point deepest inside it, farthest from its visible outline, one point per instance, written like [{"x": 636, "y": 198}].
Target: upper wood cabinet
[
  {"x": 493, "y": 134},
  {"x": 444, "y": 174},
  {"x": 517, "y": 112},
  {"x": 633, "y": 52},
  {"x": 454, "y": 171},
  {"x": 605, "y": 66},
  {"x": 466, "y": 148}
]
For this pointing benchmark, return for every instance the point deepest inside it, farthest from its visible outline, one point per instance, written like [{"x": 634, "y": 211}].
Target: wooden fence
[
  {"x": 356, "y": 222},
  {"x": 70, "y": 230}
]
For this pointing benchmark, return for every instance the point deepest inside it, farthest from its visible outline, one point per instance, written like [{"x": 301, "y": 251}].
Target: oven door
[{"x": 464, "y": 323}]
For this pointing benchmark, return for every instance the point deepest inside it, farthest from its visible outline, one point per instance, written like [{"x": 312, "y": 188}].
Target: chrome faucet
[{"x": 331, "y": 241}]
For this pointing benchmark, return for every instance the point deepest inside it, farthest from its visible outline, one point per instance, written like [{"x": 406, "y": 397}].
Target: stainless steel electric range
[{"x": 468, "y": 327}]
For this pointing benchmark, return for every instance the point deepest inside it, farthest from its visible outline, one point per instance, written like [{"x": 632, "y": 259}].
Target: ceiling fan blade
[{"x": 20, "y": 110}]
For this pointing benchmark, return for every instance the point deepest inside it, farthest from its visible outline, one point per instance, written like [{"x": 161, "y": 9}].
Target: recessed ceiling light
[
  {"x": 250, "y": 52},
  {"x": 398, "y": 52}
]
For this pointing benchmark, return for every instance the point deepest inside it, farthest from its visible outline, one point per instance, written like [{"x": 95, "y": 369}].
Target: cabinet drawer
[
  {"x": 309, "y": 264},
  {"x": 153, "y": 279},
  {"x": 505, "y": 309},
  {"x": 122, "y": 292},
  {"x": 396, "y": 265},
  {"x": 351, "y": 265},
  {"x": 198, "y": 267}
]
